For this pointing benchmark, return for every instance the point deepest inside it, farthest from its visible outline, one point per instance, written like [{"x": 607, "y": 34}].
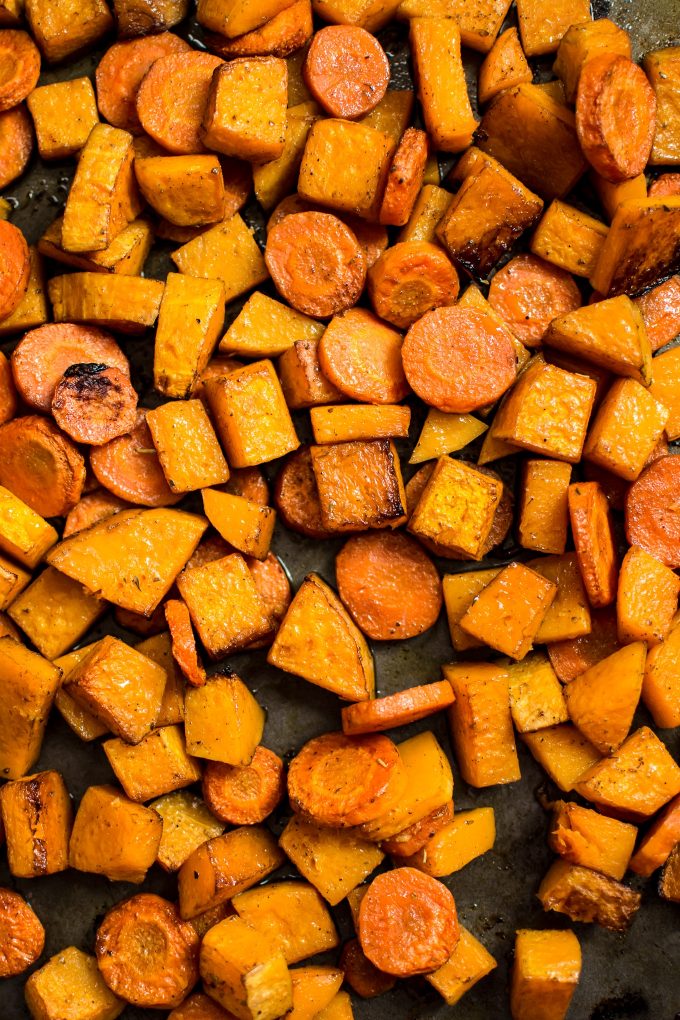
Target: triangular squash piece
[
  {"x": 132, "y": 558},
  {"x": 602, "y": 701},
  {"x": 504, "y": 67},
  {"x": 321, "y": 643}
]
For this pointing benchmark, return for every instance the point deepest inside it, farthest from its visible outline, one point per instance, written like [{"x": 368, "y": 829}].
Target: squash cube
[
  {"x": 245, "y": 114},
  {"x": 665, "y": 388},
  {"x": 468, "y": 964},
  {"x": 335, "y": 861},
  {"x": 313, "y": 989},
  {"x": 362, "y": 422},
  {"x": 187, "y": 446},
  {"x": 546, "y": 969},
  {"x": 663, "y": 70},
  {"x": 24, "y": 535},
  {"x": 658, "y": 841},
  {"x": 563, "y": 752},
  {"x": 543, "y": 511},
  {"x": 602, "y": 700},
  {"x": 236, "y": 17},
  {"x": 29, "y": 683},
  {"x": 569, "y": 615},
  {"x": 82, "y": 722},
  {"x": 369, "y": 14},
  {"x": 302, "y": 381},
  {"x": 507, "y": 614},
  {"x": 36, "y": 816},
  {"x": 611, "y": 194},
  {"x": 223, "y": 721},
  {"x": 583, "y": 40},
  {"x": 536, "y": 697},
  {"x": 641, "y": 247},
  {"x": 127, "y": 304},
  {"x": 265, "y": 328},
  {"x": 504, "y": 67},
  {"x": 626, "y": 428},
  {"x": 468, "y": 836},
  {"x": 246, "y": 525},
  {"x": 185, "y": 190},
  {"x": 479, "y": 23},
  {"x": 158, "y": 764},
  {"x": 459, "y": 592},
  {"x": 293, "y": 915},
  {"x": 63, "y": 27},
  {"x": 360, "y": 485},
  {"x": 63, "y": 114},
  {"x": 189, "y": 323},
  {"x": 586, "y": 895},
  {"x": 227, "y": 252},
  {"x": 569, "y": 238},
  {"x": 393, "y": 113},
  {"x": 13, "y": 580},
  {"x": 647, "y": 599},
  {"x": 542, "y": 23},
  {"x": 435, "y": 49},
  {"x": 54, "y": 612},
  {"x": 113, "y": 836},
  {"x": 70, "y": 985},
  {"x": 585, "y": 837},
  {"x": 661, "y": 686},
  {"x": 187, "y": 824},
  {"x": 481, "y": 725}
]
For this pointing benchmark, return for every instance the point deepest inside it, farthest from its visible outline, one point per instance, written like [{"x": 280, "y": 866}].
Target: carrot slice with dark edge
[
  {"x": 594, "y": 541},
  {"x": 361, "y": 356},
  {"x": 528, "y": 293},
  {"x": 129, "y": 468},
  {"x": 16, "y": 143},
  {"x": 397, "y": 709},
  {"x": 409, "y": 279},
  {"x": 346, "y": 70},
  {"x": 15, "y": 265},
  {"x": 22, "y": 936},
  {"x": 249, "y": 483},
  {"x": 41, "y": 465},
  {"x": 244, "y": 794},
  {"x": 405, "y": 178},
  {"x": 94, "y": 404},
  {"x": 19, "y": 67},
  {"x": 412, "y": 839},
  {"x": 183, "y": 642},
  {"x": 653, "y": 511},
  {"x": 172, "y": 98},
  {"x": 361, "y": 975},
  {"x": 296, "y": 495},
  {"x": 92, "y": 508}
]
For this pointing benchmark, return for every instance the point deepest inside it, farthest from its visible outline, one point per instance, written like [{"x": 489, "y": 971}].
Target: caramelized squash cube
[
  {"x": 190, "y": 319},
  {"x": 274, "y": 180},
  {"x": 426, "y": 215},
  {"x": 293, "y": 915},
  {"x": 602, "y": 700},
  {"x": 32, "y": 309},
  {"x": 658, "y": 841},
  {"x": 360, "y": 485},
  {"x": 125, "y": 255},
  {"x": 127, "y": 304},
  {"x": 70, "y": 985},
  {"x": 236, "y": 17},
  {"x": 665, "y": 388},
  {"x": 669, "y": 884},
  {"x": 187, "y": 824},
  {"x": 563, "y": 752},
  {"x": 241, "y": 522},
  {"x": 63, "y": 114},
  {"x": 510, "y": 630},
  {"x": 24, "y": 534},
  {"x": 543, "y": 510},
  {"x": 585, "y": 895},
  {"x": 468, "y": 964},
  {"x": 302, "y": 381},
  {"x": 265, "y": 327},
  {"x": 334, "y": 861},
  {"x": 536, "y": 697},
  {"x": 628, "y": 425},
  {"x": 641, "y": 247},
  {"x": 583, "y": 40},
  {"x": 185, "y": 190},
  {"x": 663, "y": 70},
  {"x": 36, "y": 816},
  {"x": 481, "y": 725},
  {"x": 459, "y": 592},
  {"x": 468, "y": 836},
  {"x": 64, "y": 27},
  {"x": 158, "y": 764},
  {"x": 569, "y": 615},
  {"x": 223, "y": 721},
  {"x": 54, "y": 612},
  {"x": 569, "y": 238},
  {"x": 113, "y": 836},
  {"x": 345, "y": 166},
  {"x": 542, "y": 23},
  {"x": 187, "y": 446},
  {"x": 29, "y": 683},
  {"x": 245, "y": 115},
  {"x": 647, "y": 599},
  {"x": 661, "y": 686},
  {"x": 313, "y": 989},
  {"x": 227, "y": 252},
  {"x": 585, "y": 837},
  {"x": 546, "y": 968}
]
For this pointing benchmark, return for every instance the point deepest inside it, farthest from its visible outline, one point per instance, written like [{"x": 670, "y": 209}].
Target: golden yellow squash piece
[
  {"x": 335, "y": 861},
  {"x": 468, "y": 964},
  {"x": 36, "y": 816},
  {"x": 293, "y": 915},
  {"x": 113, "y": 836},
  {"x": 29, "y": 683},
  {"x": 223, "y": 721},
  {"x": 68, "y": 984},
  {"x": 187, "y": 823},
  {"x": 55, "y": 611}
]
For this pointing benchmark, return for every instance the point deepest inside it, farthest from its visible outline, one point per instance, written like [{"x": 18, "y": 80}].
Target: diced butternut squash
[
  {"x": 669, "y": 883},
  {"x": 626, "y": 428},
  {"x": 189, "y": 323},
  {"x": 187, "y": 823},
  {"x": 54, "y": 612},
  {"x": 542, "y": 24},
  {"x": 265, "y": 327},
  {"x": 547, "y": 964},
  {"x": 125, "y": 255},
  {"x": 612, "y": 194},
  {"x": 335, "y": 861},
  {"x": 24, "y": 535},
  {"x": 586, "y": 895},
  {"x": 32, "y": 310},
  {"x": 36, "y": 816},
  {"x": 363, "y": 422},
  {"x": 13, "y": 580},
  {"x": 543, "y": 511},
  {"x": 481, "y": 725},
  {"x": 569, "y": 238},
  {"x": 223, "y": 721},
  {"x": 658, "y": 841},
  {"x": 313, "y": 989},
  {"x": 563, "y": 752},
  {"x": 246, "y": 525},
  {"x": 158, "y": 764},
  {"x": 504, "y": 67},
  {"x": 185, "y": 190},
  {"x": 227, "y": 252},
  {"x": 113, "y": 836},
  {"x": 640, "y": 248},
  {"x": 661, "y": 686},
  {"x": 611, "y": 333},
  {"x": 63, "y": 113},
  {"x": 236, "y": 17},
  {"x": 536, "y": 697},
  {"x": 583, "y": 40},
  {"x": 571, "y": 657},
  {"x": 647, "y": 599},
  {"x": 62, "y": 29},
  {"x": 245, "y": 114},
  {"x": 569, "y": 615},
  {"x": 663, "y": 70},
  {"x": 158, "y": 648},
  {"x": 293, "y": 915},
  {"x": 459, "y": 592},
  {"x": 187, "y": 446},
  {"x": 128, "y": 304},
  {"x": 70, "y": 985},
  {"x": 585, "y": 837},
  {"x": 468, "y": 836},
  {"x": 29, "y": 683},
  {"x": 302, "y": 381},
  {"x": 602, "y": 700},
  {"x": 435, "y": 49},
  {"x": 277, "y": 178},
  {"x": 360, "y": 485},
  {"x": 80, "y": 719},
  {"x": 430, "y": 206},
  {"x": 468, "y": 964}
]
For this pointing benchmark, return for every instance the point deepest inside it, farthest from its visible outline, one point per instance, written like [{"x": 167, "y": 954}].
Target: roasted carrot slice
[
  {"x": 397, "y": 709},
  {"x": 594, "y": 542},
  {"x": 40, "y": 465},
  {"x": 288, "y": 206},
  {"x": 390, "y": 587},
  {"x": 346, "y": 70},
  {"x": 15, "y": 267},
  {"x": 572, "y": 657},
  {"x": 344, "y": 781},
  {"x": 146, "y": 953},
  {"x": 121, "y": 70},
  {"x": 129, "y": 468},
  {"x": 409, "y": 279},
  {"x": 282, "y": 35},
  {"x": 316, "y": 263},
  {"x": 16, "y": 143},
  {"x": 249, "y": 483},
  {"x": 296, "y": 495},
  {"x": 172, "y": 98},
  {"x": 273, "y": 587},
  {"x": 43, "y": 355},
  {"x": 665, "y": 184},
  {"x": 408, "y": 923},
  {"x": 615, "y": 116},
  {"x": 361, "y": 975},
  {"x": 458, "y": 359},
  {"x": 405, "y": 178},
  {"x": 8, "y": 393},
  {"x": 244, "y": 794},
  {"x": 412, "y": 839},
  {"x": 94, "y": 404},
  {"x": 528, "y": 293},
  {"x": 92, "y": 508},
  {"x": 22, "y": 936},
  {"x": 653, "y": 511},
  {"x": 362, "y": 358},
  {"x": 209, "y": 549},
  {"x": 372, "y": 237},
  {"x": 183, "y": 642},
  {"x": 20, "y": 63}
]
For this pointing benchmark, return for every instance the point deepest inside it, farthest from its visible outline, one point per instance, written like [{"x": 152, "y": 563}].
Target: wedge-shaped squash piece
[
  {"x": 319, "y": 641},
  {"x": 582, "y": 41},
  {"x": 569, "y": 238},
  {"x": 189, "y": 323},
  {"x": 223, "y": 721},
  {"x": 127, "y": 304},
  {"x": 663, "y": 70},
  {"x": 536, "y": 697},
  {"x": 445, "y": 433},
  {"x": 504, "y": 67},
  {"x": 563, "y": 752},
  {"x": 335, "y": 861},
  {"x": 647, "y": 599},
  {"x": 246, "y": 525},
  {"x": 313, "y": 990},
  {"x": 658, "y": 841},
  {"x": 55, "y": 612},
  {"x": 13, "y": 580},
  {"x": 586, "y": 837},
  {"x": 569, "y": 615},
  {"x": 468, "y": 964},
  {"x": 36, "y": 816},
  {"x": 602, "y": 701},
  {"x": 469, "y": 835},
  {"x": 586, "y": 895},
  {"x": 546, "y": 969},
  {"x": 435, "y": 48},
  {"x": 610, "y": 333},
  {"x": 641, "y": 247},
  {"x": 158, "y": 764},
  {"x": 187, "y": 823},
  {"x": 481, "y": 726},
  {"x": 265, "y": 328},
  {"x": 29, "y": 684},
  {"x": 293, "y": 915},
  {"x": 661, "y": 687},
  {"x": 24, "y": 534},
  {"x": 125, "y": 255},
  {"x": 459, "y": 592},
  {"x": 70, "y": 981},
  {"x": 227, "y": 252},
  {"x": 132, "y": 558},
  {"x": 186, "y": 444},
  {"x": 113, "y": 836}
]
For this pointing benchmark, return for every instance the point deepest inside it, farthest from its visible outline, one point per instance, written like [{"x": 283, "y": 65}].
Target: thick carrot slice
[
  {"x": 362, "y": 358},
  {"x": 372, "y": 237},
  {"x": 653, "y": 511},
  {"x": 244, "y": 794},
  {"x": 660, "y": 309},
  {"x": 296, "y": 495},
  {"x": 665, "y": 184},
  {"x": 409, "y": 279},
  {"x": 408, "y": 923},
  {"x": 397, "y": 709},
  {"x": 405, "y": 178},
  {"x": 615, "y": 116},
  {"x": 316, "y": 263},
  {"x": 15, "y": 267},
  {"x": 458, "y": 359},
  {"x": 172, "y": 98},
  {"x": 92, "y": 508},
  {"x": 249, "y": 483},
  {"x": 288, "y": 206},
  {"x": 94, "y": 404},
  {"x": 273, "y": 587},
  {"x": 43, "y": 355},
  {"x": 19, "y": 67},
  {"x": 390, "y": 587},
  {"x": 183, "y": 642},
  {"x": 209, "y": 549},
  {"x": 280, "y": 36},
  {"x": 345, "y": 781},
  {"x": 22, "y": 936},
  {"x": 591, "y": 528},
  {"x": 528, "y": 293},
  {"x": 16, "y": 143},
  {"x": 361, "y": 975},
  {"x": 129, "y": 468},
  {"x": 40, "y": 465},
  {"x": 412, "y": 839},
  {"x": 146, "y": 953},
  {"x": 572, "y": 657},
  {"x": 121, "y": 70},
  {"x": 346, "y": 70},
  {"x": 8, "y": 393}
]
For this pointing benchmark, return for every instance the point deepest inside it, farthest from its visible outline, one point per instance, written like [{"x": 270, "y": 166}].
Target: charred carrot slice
[
  {"x": 121, "y": 70},
  {"x": 22, "y": 936},
  {"x": 408, "y": 923},
  {"x": 129, "y": 468},
  {"x": 653, "y": 511},
  {"x": 172, "y": 98},
  {"x": 665, "y": 184},
  {"x": 296, "y": 495},
  {"x": 40, "y": 465},
  {"x": 412, "y": 839},
  {"x": 594, "y": 542},
  {"x": 147, "y": 955},
  {"x": 345, "y": 781},
  {"x": 390, "y": 587},
  {"x": 14, "y": 267},
  {"x": 16, "y": 143},
  {"x": 346, "y": 70},
  {"x": 20, "y": 63},
  {"x": 361, "y": 975},
  {"x": 183, "y": 642},
  {"x": 92, "y": 508},
  {"x": 43, "y": 355},
  {"x": 397, "y": 709},
  {"x": 372, "y": 237},
  {"x": 249, "y": 483},
  {"x": 528, "y": 293},
  {"x": 362, "y": 358},
  {"x": 409, "y": 279},
  {"x": 615, "y": 116},
  {"x": 94, "y": 404},
  {"x": 316, "y": 263},
  {"x": 405, "y": 178},
  {"x": 458, "y": 359},
  {"x": 244, "y": 794}
]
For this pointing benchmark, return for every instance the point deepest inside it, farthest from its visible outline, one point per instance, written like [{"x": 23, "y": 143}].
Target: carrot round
[
  {"x": 288, "y": 206},
  {"x": 372, "y": 237},
  {"x": 405, "y": 178},
  {"x": 19, "y": 67},
  {"x": 665, "y": 184},
  {"x": 273, "y": 587},
  {"x": 345, "y": 781},
  {"x": 209, "y": 549},
  {"x": 362, "y": 358},
  {"x": 591, "y": 528},
  {"x": 408, "y": 923},
  {"x": 397, "y": 709},
  {"x": 146, "y": 953},
  {"x": 94, "y": 404},
  {"x": 16, "y": 143},
  {"x": 172, "y": 97},
  {"x": 528, "y": 293},
  {"x": 129, "y": 468},
  {"x": 653, "y": 511},
  {"x": 8, "y": 393},
  {"x": 458, "y": 359},
  {"x": 296, "y": 495},
  {"x": 244, "y": 794},
  {"x": 250, "y": 483},
  {"x": 316, "y": 263},
  {"x": 92, "y": 508},
  {"x": 200, "y": 1006},
  {"x": 615, "y": 116},
  {"x": 413, "y": 838},
  {"x": 43, "y": 355},
  {"x": 573, "y": 656},
  {"x": 390, "y": 587},
  {"x": 409, "y": 279},
  {"x": 346, "y": 70},
  {"x": 121, "y": 70},
  {"x": 183, "y": 642},
  {"x": 15, "y": 267},
  {"x": 360, "y": 974},
  {"x": 40, "y": 465},
  {"x": 22, "y": 936}
]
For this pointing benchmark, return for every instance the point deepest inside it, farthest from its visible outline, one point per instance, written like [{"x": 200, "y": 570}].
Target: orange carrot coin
[
  {"x": 92, "y": 508},
  {"x": 296, "y": 495},
  {"x": 200, "y": 1006},
  {"x": 273, "y": 587},
  {"x": 16, "y": 143},
  {"x": 244, "y": 794},
  {"x": 346, "y": 70},
  {"x": 361, "y": 356},
  {"x": 412, "y": 839},
  {"x": 372, "y": 237},
  {"x": 40, "y": 465},
  {"x": 94, "y": 404},
  {"x": 528, "y": 293},
  {"x": 172, "y": 97},
  {"x": 129, "y": 468},
  {"x": 458, "y": 359},
  {"x": 591, "y": 528},
  {"x": 15, "y": 266},
  {"x": 22, "y": 936},
  {"x": 360, "y": 974},
  {"x": 249, "y": 483},
  {"x": 665, "y": 184},
  {"x": 397, "y": 709},
  {"x": 405, "y": 178},
  {"x": 316, "y": 263},
  {"x": 19, "y": 67},
  {"x": 408, "y": 923},
  {"x": 409, "y": 279},
  {"x": 573, "y": 656},
  {"x": 183, "y": 642},
  {"x": 653, "y": 511}
]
